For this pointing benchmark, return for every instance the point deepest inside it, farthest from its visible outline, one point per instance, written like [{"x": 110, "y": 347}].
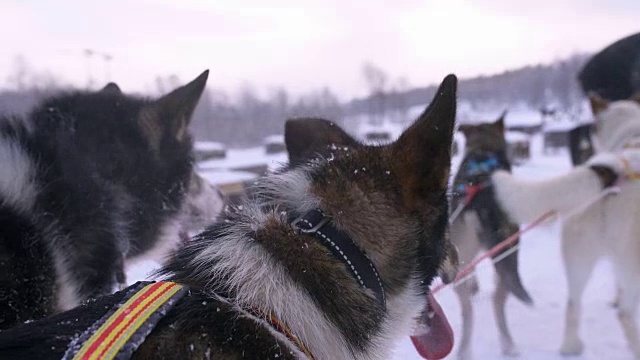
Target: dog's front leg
[
  {"x": 627, "y": 317},
  {"x": 464, "y": 295},
  {"x": 628, "y": 280},
  {"x": 579, "y": 259},
  {"x": 499, "y": 300}
]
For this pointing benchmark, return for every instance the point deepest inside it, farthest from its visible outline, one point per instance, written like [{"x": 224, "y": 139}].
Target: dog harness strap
[
  {"x": 318, "y": 224},
  {"x": 630, "y": 172},
  {"x": 474, "y": 175},
  {"x": 271, "y": 319},
  {"x": 472, "y": 190},
  {"x": 281, "y": 328},
  {"x": 121, "y": 331}
]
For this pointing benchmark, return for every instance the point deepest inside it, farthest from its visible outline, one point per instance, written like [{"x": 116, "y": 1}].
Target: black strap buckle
[{"x": 311, "y": 228}]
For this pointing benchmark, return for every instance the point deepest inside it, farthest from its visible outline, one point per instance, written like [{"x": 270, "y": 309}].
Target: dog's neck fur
[{"x": 257, "y": 279}]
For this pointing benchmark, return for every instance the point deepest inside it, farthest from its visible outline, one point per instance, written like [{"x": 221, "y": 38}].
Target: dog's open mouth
[{"x": 433, "y": 336}]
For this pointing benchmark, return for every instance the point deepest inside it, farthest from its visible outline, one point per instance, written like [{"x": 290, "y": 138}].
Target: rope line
[{"x": 467, "y": 272}]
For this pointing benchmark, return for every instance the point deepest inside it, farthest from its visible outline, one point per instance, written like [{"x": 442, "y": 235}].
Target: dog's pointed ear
[
  {"x": 305, "y": 138},
  {"x": 598, "y": 104},
  {"x": 111, "y": 88},
  {"x": 500, "y": 122},
  {"x": 423, "y": 151},
  {"x": 172, "y": 112}
]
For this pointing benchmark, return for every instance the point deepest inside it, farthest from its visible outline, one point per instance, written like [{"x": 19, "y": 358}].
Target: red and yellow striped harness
[{"x": 119, "y": 333}]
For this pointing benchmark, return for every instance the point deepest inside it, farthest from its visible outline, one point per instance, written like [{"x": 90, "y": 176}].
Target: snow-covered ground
[{"x": 537, "y": 330}]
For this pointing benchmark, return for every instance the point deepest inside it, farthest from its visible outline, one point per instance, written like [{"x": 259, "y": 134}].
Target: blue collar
[{"x": 479, "y": 167}]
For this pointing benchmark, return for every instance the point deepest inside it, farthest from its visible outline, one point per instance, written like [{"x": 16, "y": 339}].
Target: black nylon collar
[{"x": 318, "y": 224}]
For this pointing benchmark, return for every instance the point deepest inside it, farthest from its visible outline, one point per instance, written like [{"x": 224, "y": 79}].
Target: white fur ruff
[
  {"x": 17, "y": 172},
  {"x": 257, "y": 280}
]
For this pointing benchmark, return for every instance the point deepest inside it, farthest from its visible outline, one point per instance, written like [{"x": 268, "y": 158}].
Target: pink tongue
[{"x": 433, "y": 338}]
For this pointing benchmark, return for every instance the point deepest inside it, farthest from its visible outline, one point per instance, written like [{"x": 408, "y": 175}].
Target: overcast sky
[{"x": 305, "y": 44}]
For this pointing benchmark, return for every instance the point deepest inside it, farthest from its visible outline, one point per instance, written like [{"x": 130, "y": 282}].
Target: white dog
[{"x": 608, "y": 227}]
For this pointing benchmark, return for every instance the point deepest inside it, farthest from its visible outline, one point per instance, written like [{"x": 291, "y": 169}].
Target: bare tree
[
  {"x": 398, "y": 100},
  {"x": 279, "y": 102},
  {"x": 164, "y": 84},
  {"x": 376, "y": 80},
  {"x": 375, "y": 77},
  {"x": 202, "y": 124},
  {"x": 25, "y": 78}
]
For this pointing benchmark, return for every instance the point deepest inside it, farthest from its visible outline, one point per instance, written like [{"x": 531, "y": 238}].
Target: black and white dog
[
  {"x": 88, "y": 181},
  {"x": 478, "y": 224},
  {"x": 329, "y": 259}
]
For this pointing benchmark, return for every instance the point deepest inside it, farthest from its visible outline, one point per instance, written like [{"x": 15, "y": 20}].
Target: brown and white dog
[{"x": 341, "y": 250}]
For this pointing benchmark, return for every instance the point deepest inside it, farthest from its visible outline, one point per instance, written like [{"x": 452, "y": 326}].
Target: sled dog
[
  {"x": 482, "y": 224},
  {"x": 89, "y": 181},
  {"x": 329, "y": 259},
  {"x": 607, "y": 228}
]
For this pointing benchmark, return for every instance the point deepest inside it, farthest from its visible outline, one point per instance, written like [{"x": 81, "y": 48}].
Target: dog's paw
[
  {"x": 510, "y": 350},
  {"x": 572, "y": 348}
]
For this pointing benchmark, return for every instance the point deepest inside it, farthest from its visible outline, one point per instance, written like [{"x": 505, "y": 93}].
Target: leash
[
  {"x": 467, "y": 272},
  {"x": 503, "y": 244},
  {"x": 470, "y": 192}
]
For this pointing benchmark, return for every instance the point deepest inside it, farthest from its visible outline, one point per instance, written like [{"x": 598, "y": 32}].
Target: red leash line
[
  {"x": 470, "y": 192},
  {"x": 496, "y": 249}
]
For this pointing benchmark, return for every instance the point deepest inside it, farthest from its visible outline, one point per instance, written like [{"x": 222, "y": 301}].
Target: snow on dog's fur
[
  {"x": 389, "y": 201},
  {"x": 607, "y": 228}
]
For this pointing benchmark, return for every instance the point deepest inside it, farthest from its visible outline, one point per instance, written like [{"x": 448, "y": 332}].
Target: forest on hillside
[{"x": 244, "y": 118}]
